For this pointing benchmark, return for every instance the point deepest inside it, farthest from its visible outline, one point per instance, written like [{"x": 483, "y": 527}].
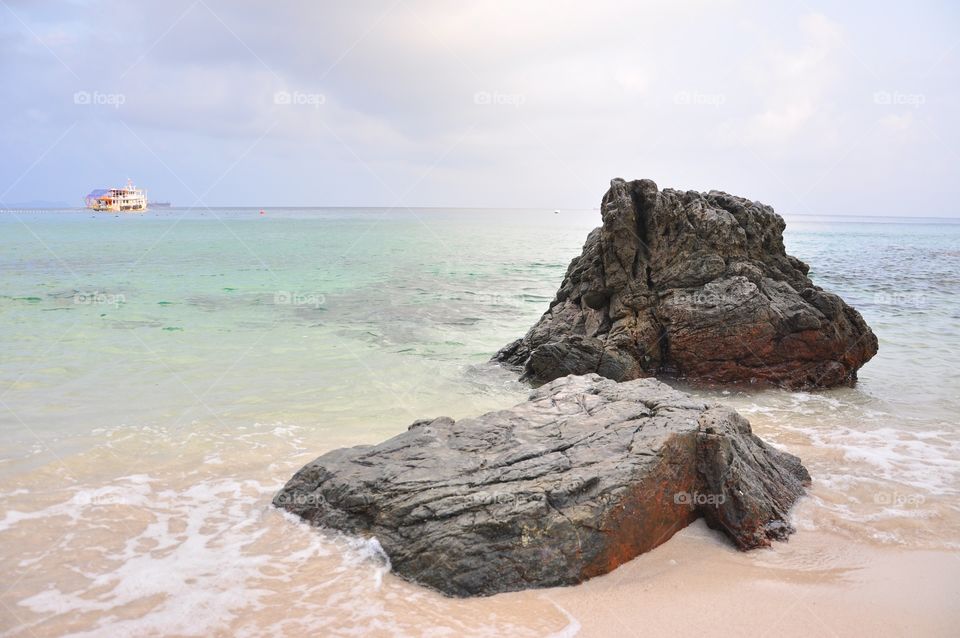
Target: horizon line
[{"x": 5, "y": 207}]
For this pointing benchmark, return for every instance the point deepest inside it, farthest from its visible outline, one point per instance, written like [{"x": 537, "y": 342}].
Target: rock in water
[
  {"x": 696, "y": 285},
  {"x": 584, "y": 476}
]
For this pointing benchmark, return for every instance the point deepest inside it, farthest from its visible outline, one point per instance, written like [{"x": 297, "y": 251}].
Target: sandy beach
[
  {"x": 156, "y": 530},
  {"x": 817, "y": 584},
  {"x": 206, "y": 571}
]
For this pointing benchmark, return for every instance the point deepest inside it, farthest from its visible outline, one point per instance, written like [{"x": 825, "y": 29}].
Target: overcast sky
[{"x": 812, "y": 107}]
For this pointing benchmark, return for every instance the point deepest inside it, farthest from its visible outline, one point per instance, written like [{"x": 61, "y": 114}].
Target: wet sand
[
  {"x": 193, "y": 549},
  {"x": 814, "y": 585}
]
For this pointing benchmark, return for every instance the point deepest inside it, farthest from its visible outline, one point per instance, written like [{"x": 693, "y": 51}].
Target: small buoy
[
  {"x": 261, "y": 212},
  {"x": 556, "y": 212}
]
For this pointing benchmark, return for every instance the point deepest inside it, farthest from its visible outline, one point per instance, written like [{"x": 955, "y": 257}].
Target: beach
[{"x": 163, "y": 375}]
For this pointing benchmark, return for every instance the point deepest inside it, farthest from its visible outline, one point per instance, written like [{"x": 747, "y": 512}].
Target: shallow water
[{"x": 162, "y": 375}]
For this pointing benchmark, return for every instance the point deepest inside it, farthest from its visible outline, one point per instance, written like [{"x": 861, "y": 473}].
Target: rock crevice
[{"x": 696, "y": 285}]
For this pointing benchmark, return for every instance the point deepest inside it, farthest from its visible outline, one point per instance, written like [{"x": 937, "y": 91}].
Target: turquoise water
[
  {"x": 155, "y": 368},
  {"x": 326, "y": 313},
  {"x": 298, "y": 313}
]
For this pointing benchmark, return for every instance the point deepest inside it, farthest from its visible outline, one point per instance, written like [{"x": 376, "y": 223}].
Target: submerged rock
[
  {"x": 696, "y": 285},
  {"x": 584, "y": 476}
]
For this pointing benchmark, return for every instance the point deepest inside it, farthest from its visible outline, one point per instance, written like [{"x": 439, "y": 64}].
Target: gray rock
[
  {"x": 584, "y": 476},
  {"x": 694, "y": 285}
]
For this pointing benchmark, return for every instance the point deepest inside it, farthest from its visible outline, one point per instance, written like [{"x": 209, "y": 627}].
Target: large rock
[
  {"x": 694, "y": 285},
  {"x": 582, "y": 477}
]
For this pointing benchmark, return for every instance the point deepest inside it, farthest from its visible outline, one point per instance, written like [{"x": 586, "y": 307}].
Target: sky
[{"x": 814, "y": 108}]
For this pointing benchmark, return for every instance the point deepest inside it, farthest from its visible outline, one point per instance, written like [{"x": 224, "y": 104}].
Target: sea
[{"x": 163, "y": 374}]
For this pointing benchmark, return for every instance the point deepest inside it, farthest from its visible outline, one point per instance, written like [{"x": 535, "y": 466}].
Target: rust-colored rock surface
[
  {"x": 584, "y": 476},
  {"x": 694, "y": 285}
]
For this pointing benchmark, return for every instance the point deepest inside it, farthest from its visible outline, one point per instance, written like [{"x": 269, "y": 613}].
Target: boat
[{"x": 126, "y": 199}]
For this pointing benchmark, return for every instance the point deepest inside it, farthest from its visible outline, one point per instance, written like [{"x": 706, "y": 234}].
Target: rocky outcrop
[
  {"x": 694, "y": 285},
  {"x": 584, "y": 476}
]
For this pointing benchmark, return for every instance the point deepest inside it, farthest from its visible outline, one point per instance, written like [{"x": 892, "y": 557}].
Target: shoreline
[
  {"x": 814, "y": 584},
  {"x": 106, "y": 490}
]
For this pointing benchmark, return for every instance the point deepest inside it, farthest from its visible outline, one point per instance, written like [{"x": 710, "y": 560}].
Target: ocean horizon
[{"x": 15, "y": 209}]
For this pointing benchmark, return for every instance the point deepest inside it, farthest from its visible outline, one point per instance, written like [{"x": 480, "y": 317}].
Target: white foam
[
  {"x": 215, "y": 555},
  {"x": 142, "y": 574},
  {"x": 875, "y": 473},
  {"x": 204, "y": 553},
  {"x": 572, "y": 627}
]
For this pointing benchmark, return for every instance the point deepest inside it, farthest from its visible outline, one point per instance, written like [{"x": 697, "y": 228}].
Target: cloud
[
  {"x": 692, "y": 93},
  {"x": 792, "y": 86}
]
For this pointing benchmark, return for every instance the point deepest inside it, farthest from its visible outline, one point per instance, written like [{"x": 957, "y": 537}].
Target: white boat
[{"x": 128, "y": 199}]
